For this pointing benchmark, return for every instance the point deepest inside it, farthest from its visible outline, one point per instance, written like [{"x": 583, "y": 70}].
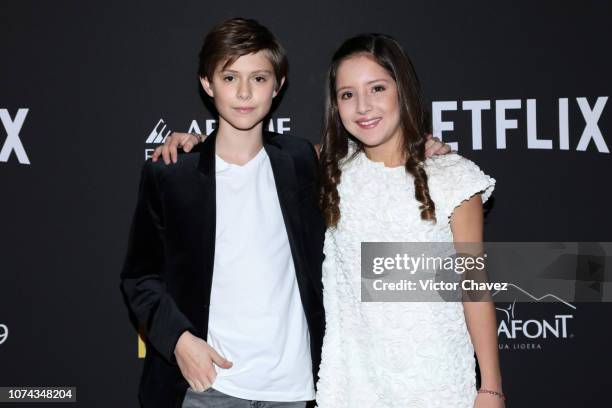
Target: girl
[{"x": 378, "y": 187}]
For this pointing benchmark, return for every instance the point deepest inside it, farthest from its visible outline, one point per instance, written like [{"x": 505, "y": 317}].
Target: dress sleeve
[{"x": 453, "y": 179}]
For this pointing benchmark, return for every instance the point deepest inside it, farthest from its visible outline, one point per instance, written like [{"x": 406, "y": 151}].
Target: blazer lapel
[
  {"x": 286, "y": 186},
  {"x": 207, "y": 156},
  {"x": 206, "y": 167}
]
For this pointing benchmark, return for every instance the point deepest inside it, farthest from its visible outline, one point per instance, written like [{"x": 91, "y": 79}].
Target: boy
[{"x": 226, "y": 245}]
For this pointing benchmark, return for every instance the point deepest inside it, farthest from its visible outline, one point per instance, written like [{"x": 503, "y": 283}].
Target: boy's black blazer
[{"x": 167, "y": 275}]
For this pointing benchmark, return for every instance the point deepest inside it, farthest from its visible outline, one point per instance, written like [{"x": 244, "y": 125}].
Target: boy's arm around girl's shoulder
[{"x": 142, "y": 284}]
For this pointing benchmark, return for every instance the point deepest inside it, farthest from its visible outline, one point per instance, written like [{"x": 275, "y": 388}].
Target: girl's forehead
[{"x": 360, "y": 68}]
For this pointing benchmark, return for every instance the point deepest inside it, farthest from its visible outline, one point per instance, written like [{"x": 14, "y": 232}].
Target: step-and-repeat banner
[{"x": 88, "y": 89}]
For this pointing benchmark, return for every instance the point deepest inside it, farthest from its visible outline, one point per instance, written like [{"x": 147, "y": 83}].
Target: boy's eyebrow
[
  {"x": 263, "y": 71},
  {"x": 367, "y": 83},
  {"x": 259, "y": 71}
]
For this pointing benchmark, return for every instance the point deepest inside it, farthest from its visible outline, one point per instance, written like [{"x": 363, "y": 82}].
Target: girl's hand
[
  {"x": 484, "y": 400},
  {"x": 169, "y": 150}
]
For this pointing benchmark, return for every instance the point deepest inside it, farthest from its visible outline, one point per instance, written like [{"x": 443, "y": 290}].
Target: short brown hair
[{"x": 236, "y": 37}]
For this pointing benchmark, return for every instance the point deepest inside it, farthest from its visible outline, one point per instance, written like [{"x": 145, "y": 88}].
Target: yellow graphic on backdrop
[{"x": 142, "y": 347}]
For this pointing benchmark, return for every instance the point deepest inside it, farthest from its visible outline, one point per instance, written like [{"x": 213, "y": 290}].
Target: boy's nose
[{"x": 244, "y": 92}]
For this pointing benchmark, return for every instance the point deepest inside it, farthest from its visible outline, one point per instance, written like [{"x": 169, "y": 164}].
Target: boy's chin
[{"x": 243, "y": 124}]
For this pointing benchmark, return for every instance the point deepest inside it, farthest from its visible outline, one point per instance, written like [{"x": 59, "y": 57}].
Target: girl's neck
[{"x": 391, "y": 153}]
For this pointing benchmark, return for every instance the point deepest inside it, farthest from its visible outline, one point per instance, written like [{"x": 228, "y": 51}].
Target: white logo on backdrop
[
  {"x": 3, "y": 333},
  {"x": 591, "y": 133},
  {"x": 13, "y": 142},
  {"x": 161, "y": 130},
  {"x": 159, "y": 133},
  {"x": 512, "y": 327}
]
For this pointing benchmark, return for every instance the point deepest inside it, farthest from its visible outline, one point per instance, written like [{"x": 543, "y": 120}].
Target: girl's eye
[
  {"x": 260, "y": 79},
  {"x": 228, "y": 78},
  {"x": 346, "y": 95},
  {"x": 378, "y": 88}
]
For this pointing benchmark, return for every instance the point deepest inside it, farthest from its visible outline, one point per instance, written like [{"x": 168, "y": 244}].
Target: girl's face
[{"x": 368, "y": 103}]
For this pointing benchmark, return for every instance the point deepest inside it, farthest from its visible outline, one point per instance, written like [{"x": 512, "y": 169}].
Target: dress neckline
[{"x": 379, "y": 165}]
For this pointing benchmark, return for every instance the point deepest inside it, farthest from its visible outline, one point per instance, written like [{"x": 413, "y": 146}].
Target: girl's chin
[{"x": 370, "y": 142}]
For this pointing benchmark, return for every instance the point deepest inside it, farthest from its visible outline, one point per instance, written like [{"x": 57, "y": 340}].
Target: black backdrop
[{"x": 100, "y": 78}]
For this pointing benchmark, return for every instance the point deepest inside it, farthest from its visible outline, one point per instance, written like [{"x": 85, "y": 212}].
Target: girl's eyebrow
[
  {"x": 367, "y": 83},
  {"x": 343, "y": 87},
  {"x": 378, "y": 80}
]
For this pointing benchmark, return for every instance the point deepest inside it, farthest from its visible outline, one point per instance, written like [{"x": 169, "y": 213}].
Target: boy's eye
[
  {"x": 260, "y": 79},
  {"x": 346, "y": 95},
  {"x": 378, "y": 88},
  {"x": 228, "y": 78}
]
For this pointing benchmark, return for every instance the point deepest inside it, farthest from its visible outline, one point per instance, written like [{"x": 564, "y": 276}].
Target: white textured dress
[{"x": 408, "y": 355}]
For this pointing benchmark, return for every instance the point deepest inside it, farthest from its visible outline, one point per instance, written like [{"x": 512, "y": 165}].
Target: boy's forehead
[{"x": 258, "y": 61}]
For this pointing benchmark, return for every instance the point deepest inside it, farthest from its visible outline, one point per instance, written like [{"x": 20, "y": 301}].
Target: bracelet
[
  {"x": 498, "y": 394},
  {"x": 199, "y": 137}
]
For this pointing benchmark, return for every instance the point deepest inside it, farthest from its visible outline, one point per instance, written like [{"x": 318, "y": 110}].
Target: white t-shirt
[{"x": 256, "y": 316}]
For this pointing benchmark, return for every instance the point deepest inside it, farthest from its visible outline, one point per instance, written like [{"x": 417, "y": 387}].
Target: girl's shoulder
[
  {"x": 453, "y": 179},
  {"x": 452, "y": 167},
  {"x": 447, "y": 161}
]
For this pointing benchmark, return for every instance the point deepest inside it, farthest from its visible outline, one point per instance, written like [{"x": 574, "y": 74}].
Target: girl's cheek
[{"x": 346, "y": 111}]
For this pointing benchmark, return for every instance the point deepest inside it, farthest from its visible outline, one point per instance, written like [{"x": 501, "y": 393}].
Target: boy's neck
[{"x": 238, "y": 146}]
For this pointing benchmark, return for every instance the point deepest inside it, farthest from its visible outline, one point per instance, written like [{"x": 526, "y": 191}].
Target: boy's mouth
[{"x": 244, "y": 109}]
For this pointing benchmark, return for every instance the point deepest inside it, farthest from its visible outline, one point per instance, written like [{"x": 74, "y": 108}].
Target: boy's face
[{"x": 243, "y": 91}]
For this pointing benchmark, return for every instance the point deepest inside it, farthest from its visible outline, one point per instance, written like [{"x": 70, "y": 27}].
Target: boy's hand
[
  {"x": 434, "y": 146},
  {"x": 169, "y": 150},
  {"x": 196, "y": 360}
]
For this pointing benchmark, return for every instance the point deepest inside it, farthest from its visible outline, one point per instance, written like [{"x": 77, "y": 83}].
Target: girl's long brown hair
[{"x": 413, "y": 122}]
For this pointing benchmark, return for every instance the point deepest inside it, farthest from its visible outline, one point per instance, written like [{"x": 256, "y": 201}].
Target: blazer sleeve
[{"x": 158, "y": 316}]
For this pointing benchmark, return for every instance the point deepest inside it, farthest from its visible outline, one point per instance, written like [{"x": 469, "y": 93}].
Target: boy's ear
[
  {"x": 278, "y": 88},
  {"x": 207, "y": 86}
]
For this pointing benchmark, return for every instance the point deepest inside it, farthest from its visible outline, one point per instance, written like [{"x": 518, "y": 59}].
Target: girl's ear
[
  {"x": 207, "y": 86},
  {"x": 278, "y": 88}
]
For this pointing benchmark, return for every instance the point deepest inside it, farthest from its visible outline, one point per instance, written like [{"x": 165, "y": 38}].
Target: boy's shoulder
[
  {"x": 285, "y": 140},
  {"x": 186, "y": 163},
  {"x": 299, "y": 148},
  {"x": 296, "y": 146}
]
